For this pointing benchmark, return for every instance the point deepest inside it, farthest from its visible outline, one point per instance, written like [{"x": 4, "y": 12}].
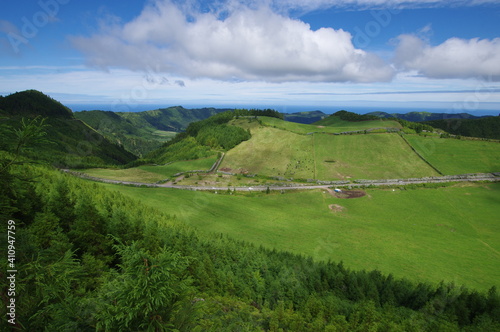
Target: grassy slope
[
  {"x": 276, "y": 152},
  {"x": 452, "y": 156},
  {"x": 455, "y": 241},
  {"x": 329, "y": 125},
  {"x": 272, "y": 151},
  {"x": 374, "y": 156},
  {"x": 151, "y": 174}
]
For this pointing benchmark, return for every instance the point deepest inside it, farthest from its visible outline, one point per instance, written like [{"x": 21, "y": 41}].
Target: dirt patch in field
[
  {"x": 320, "y": 126},
  {"x": 225, "y": 169},
  {"x": 336, "y": 207},
  {"x": 350, "y": 194}
]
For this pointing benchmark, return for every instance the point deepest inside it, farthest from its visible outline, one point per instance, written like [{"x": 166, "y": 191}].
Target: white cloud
[
  {"x": 455, "y": 58},
  {"x": 247, "y": 44}
]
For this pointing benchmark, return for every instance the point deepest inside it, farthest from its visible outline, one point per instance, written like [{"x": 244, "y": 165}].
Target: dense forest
[
  {"x": 90, "y": 259},
  {"x": 69, "y": 141},
  {"x": 354, "y": 117},
  {"x": 487, "y": 127}
]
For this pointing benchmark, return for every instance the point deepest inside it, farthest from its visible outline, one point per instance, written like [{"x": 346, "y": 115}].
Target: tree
[{"x": 146, "y": 294}]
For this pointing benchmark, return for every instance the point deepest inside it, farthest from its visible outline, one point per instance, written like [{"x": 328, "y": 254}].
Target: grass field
[
  {"x": 151, "y": 174},
  {"x": 333, "y": 125},
  {"x": 373, "y": 156},
  {"x": 275, "y": 152},
  {"x": 453, "y": 156},
  {"x": 449, "y": 233}
]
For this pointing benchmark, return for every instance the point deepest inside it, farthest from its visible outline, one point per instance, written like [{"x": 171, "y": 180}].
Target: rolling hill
[
  {"x": 486, "y": 127},
  {"x": 422, "y": 116},
  {"x": 143, "y": 132},
  {"x": 114, "y": 257},
  {"x": 73, "y": 142}
]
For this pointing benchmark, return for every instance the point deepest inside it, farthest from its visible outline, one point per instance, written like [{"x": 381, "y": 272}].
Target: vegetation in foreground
[
  {"x": 70, "y": 142},
  {"x": 92, "y": 259},
  {"x": 424, "y": 234}
]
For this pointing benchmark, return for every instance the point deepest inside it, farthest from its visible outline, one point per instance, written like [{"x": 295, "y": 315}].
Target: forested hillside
[
  {"x": 423, "y": 116},
  {"x": 91, "y": 259},
  {"x": 143, "y": 132},
  {"x": 207, "y": 137},
  {"x": 69, "y": 142},
  {"x": 136, "y": 139},
  {"x": 488, "y": 127}
]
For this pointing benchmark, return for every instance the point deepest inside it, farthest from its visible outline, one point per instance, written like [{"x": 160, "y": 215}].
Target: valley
[{"x": 243, "y": 219}]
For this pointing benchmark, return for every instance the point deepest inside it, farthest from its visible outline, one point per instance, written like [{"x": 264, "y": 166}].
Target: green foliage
[
  {"x": 354, "y": 117},
  {"x": 138, "y": 139},
  {"x": 487, "y": 127},
  {"x": 73, "y": 143},
  {"x": 147, "y": 292},
  {"x": 166, "y": 277},
  {"x": 203, "y": 138},
  {"x": 222, "y": 136},
  {"x": 89, "y": 258},
  {"x": 32, "y": 103},
  {"x": 416, "y": 126},
  {"x": 185, "y": 149}
]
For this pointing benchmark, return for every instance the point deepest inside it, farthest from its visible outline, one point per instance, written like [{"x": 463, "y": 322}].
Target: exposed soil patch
[
  {"x": 320, "y": 126},
  {"x": 336, "y": 207},
  {"x": 350, "y": 194},
  {"x": 225, "y": 169}
]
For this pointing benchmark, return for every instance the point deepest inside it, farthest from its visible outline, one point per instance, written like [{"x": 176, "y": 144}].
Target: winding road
[{"x": 478, "y": 177}]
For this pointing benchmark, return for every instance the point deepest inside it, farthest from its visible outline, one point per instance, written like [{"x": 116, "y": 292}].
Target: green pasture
[
  {"x": 150, "y": 173},
  {"x": 453, "y": 156},
  {"x": 449, "y": 233},
  {"x": 275, "y": 152},
  {"x": 371, "y": 156},
  {"x": 272, "y": 152},
  {"x": 328, "y": 125}
]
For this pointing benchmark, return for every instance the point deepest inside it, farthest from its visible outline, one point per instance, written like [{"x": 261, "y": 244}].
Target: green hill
[
  {"x": 422, "y": 116},
  {"x": 169, "y": 119},
  {"x": 31, "y": 103},
  {"x": 72, "y": 143},
  {"x": 487, "y": 127},
  {"x": 136, "y": 138},
  {"x": 275, "y": 151},
  {"x": 143, "y": 132},
  {"x": 305, "y": 117}
]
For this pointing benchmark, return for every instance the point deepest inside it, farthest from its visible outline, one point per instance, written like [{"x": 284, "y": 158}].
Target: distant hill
[
  {"x": 143, "y": 132},
  {"x": 364, "y": 121},
  {"x": 486, "y": 127},
  {"x": 305, "y": 117},
  {"x": 74, "y": 143},
  {"x": 423, "y": 116},
  {"x": 175, "y": 118}
]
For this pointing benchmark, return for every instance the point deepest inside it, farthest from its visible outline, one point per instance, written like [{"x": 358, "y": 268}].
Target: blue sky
[{"x": 324, "y": 54}]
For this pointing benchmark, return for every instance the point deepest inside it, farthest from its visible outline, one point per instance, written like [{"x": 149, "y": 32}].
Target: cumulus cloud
[
  {"x": 240, "y": 43},
  {"x": 455, "y": 58}
]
